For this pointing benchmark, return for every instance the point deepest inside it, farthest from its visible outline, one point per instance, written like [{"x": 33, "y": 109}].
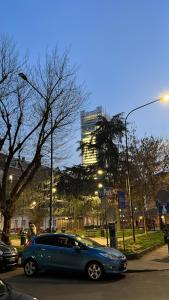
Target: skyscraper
[{"x": 88, "y": 125}]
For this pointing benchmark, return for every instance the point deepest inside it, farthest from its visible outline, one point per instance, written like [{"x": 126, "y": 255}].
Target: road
[
  {"x": 136, "y": 284},
  {"x": 147, "y": 278}
]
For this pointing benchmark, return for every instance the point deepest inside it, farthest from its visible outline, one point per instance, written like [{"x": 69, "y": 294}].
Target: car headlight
[{"x": 110, "y": 256}]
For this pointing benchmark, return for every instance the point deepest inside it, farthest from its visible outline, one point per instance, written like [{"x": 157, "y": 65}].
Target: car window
[
  {"x": 2, "y": 243},
  {"x": 62, "y": 241},
  {"x": 88, "y": 242},
  {"x": 72, "y": 243},
  {"x": 46, "y": 240}
]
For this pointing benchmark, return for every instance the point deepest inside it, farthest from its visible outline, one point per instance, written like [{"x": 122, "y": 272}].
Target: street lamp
[
  {"x": 24, "y": 77},
  {"x": 164, "y": 98},
  {"x": 100, "y": 172},
  {"x": 100, "y": 185},
  {"x": 11, "y": 178}
]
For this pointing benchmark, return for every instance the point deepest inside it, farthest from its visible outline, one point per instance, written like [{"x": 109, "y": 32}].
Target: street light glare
[
  {"x": 100, "y": 172},
  {"x": 100, "y": 185},
  {"x": 54, "y": 190},
  {"x": 165, "y": 98},
  {"x": 10, "y": 177}
]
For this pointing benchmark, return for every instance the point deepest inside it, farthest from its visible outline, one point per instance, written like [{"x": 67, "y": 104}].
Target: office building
[{"x": 88, "y": 125}]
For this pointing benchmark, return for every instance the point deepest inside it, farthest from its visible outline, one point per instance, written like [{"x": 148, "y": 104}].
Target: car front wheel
[
  {"x": 94, "y": 271},
  {"x": 30, "y": 267}
]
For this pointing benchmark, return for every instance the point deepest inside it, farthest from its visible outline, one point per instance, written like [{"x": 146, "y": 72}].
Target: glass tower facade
[{"x": 88, "y": 125}]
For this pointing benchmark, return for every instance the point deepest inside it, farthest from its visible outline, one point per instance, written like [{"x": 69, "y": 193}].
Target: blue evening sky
[{"x": 120, "y": 46}]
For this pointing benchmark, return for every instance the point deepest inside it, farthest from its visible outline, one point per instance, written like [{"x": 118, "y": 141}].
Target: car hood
[
  {"x": 112, "y": 251},
  {"x": 8, "y": 293},
  {"x": 4, "y": 248},
  {"x": 14, "y": 295}
]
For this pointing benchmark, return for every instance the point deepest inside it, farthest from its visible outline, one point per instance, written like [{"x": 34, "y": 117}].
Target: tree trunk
[{"x": 6, "y": 228}]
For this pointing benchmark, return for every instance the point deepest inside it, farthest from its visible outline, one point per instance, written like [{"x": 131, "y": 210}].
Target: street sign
[
  {"x": 163, "y": 208},
  {"x": 101, "y": 193},
  {"x": 122, "y": 200},
  {"x": 105, "y": 192},
  {"x": 108, "y": 192}
]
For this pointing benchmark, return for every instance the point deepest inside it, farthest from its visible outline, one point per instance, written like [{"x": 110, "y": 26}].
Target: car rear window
[
  {"x": 60, "y": 241},
  {"x": 46, "y": 240}
]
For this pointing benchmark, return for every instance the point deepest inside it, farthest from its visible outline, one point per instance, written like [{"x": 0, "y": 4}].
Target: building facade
[{"x": 88, "y": 125}]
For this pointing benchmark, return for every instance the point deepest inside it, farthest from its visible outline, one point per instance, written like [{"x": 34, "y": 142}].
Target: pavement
[{"x": 155, "y": 260}]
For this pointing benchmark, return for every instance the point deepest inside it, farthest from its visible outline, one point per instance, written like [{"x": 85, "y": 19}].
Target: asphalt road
[{"x": 136, "y": 284}]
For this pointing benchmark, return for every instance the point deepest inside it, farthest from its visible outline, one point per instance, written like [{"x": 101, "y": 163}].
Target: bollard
[{"x": 23, "y": 238}]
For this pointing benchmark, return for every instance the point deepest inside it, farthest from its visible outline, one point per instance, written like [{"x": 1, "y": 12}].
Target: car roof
[{"x": 55, "y": 234}]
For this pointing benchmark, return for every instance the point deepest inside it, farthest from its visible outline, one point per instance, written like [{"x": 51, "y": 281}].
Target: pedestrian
[
  {"x": 153, "y": 224},
  {"x": 31, "y": 230},
  {"x": 137, "y": 223},
  {"x": 166, "y": 235},
  {"x": 162, "y": 224}
]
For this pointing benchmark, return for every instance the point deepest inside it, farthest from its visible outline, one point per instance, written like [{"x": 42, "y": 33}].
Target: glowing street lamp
[
  {"x": 163, "y": 98},
  {"x": 100, "y": 185},
  {"x": 11, "y": 177},
  {"x": 24, "y": 77},
  {"x": 100, "y": 172},
  {"x": 33, "y": 205}
]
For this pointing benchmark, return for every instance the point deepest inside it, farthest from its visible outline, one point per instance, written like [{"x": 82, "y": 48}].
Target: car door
[
  {"x": 45, "y": 250},
  {"x": 51, "y": 251},
  {"x": 68, "y": 256}
]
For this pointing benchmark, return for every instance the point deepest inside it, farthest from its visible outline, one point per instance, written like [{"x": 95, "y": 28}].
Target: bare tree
[
  {"x": 25, "y": 110},
  {"x": 148, "y": 158}
]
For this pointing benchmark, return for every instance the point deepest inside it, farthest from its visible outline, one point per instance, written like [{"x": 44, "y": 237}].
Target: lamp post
[
  {"x": 165, "y": 98},
  {"x": 24, "y": 77}
]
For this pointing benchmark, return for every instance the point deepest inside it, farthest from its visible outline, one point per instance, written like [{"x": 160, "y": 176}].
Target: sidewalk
[
  {"x": 156, "y": 260},
  {"x": 103, "y": 241}
]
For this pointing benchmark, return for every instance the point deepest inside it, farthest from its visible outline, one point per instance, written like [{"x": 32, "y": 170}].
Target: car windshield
[
  {"x": 2, "y": 243},
  {"x": 88, "y": 242}
]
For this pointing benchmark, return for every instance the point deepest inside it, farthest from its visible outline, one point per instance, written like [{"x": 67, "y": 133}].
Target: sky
[{"x": 121, "y": 48}]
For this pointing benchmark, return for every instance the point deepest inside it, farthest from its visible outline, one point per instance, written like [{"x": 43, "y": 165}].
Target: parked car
[
  {"x": 8, "y": 293},
  {"x": 8, "y": 256},
  {"x": 71, "y": 253}
]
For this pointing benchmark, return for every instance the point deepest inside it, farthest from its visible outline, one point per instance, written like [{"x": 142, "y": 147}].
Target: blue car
[{"x": 71, "y": 253}]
